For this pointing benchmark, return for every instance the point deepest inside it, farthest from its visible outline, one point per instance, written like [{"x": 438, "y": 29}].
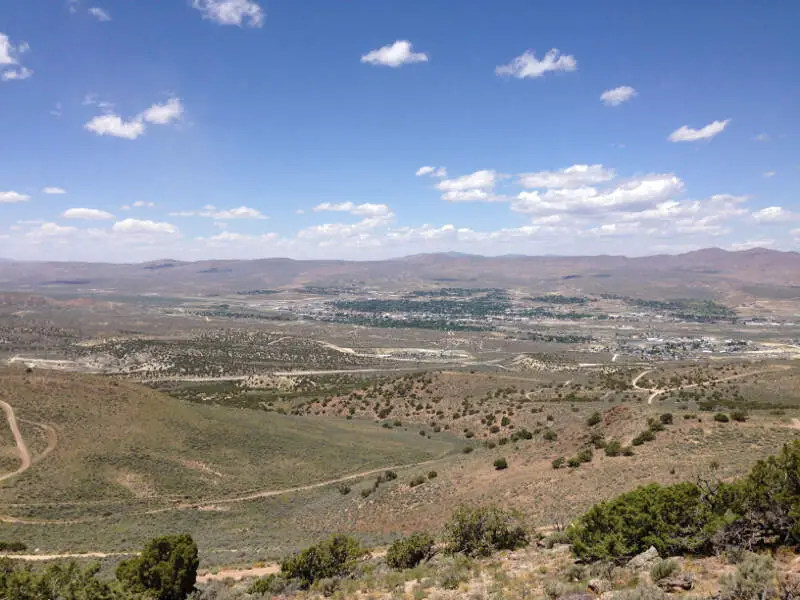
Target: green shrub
[
  {"x": 754, "y": 579},
  {"x": 61, "y": 580},
  {"x": 276, "y": 583},
  {"x": 574, "y": 462},
  {"x": 666, "y": 418},
  {"x": 558, "y": 462},
  {"x": 627, "y": 451},
  {"x": 335, "y": 557},
  {"x": 12, "y": 547},
  {"x": 549, "y": 435},
  {"x": 675, "y": 519},
  {"x": 655, "y": 425},
  {"x": 645, "y": 436},
  {"x": 721, "y": 418},
  {"x": 557, "y": 537},
  {"x": 594, "y": 419},
  {"x": 480, "y": 531},
  {"x": 366, "y": 492},
  {"x": 662, "y": 569},
  {"x": 408, "y": 552},
  {"x": 740, "y": 416},
  {"x": 344, "y": 489},
  {"x": 613, "y": 448},
  {"x": 432, "y": 474},
  {"x": 166, "y": 569},
  {"x": 467, "y": 449},
  {"x": 585, "y": 455},
  {"x": 418, "y": 480},
  {"x": 500, "y": 464}
]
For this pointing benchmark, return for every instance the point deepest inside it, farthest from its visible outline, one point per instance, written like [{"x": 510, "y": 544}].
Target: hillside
[{"x": 710, "y": 272}]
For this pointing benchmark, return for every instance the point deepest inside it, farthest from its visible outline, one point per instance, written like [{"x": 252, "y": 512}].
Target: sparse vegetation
[
  {"x": 408, "y": 552},
  {"x": 481, "y": 531}
]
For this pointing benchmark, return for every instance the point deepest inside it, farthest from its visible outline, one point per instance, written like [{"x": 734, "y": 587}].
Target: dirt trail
[
  {"x": 38, "y": 557},
  {"x": 657, "y": 391},
  {"x": 22, "y": 448}
]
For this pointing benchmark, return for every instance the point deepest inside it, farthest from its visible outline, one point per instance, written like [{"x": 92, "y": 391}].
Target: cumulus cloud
[
  {"x": 574, "y": 176},
  {"x": 10, "y": 67},
  {"x": 114, "y": 125},
  {"x": 618, "y": 95},
  {"x": 527, "y": 65},
  {"x": 773, "y": 214},
  {"x": 634, "y": 194},
  {"x": 100, "y": 14},
  {"x": 484, "y": 179},
  {"x": 143, "y": 204},
  {"x": 54, "y": 190},
  {"x": 161, "y": 114},
  {"x": 136, "y": 226},
  {"x": 394, "y": 55},
  {"x": 212, "y": 212},
  {"x": 432, "y": 171},
  {"x": 367, "y": 209},
  {"x": 12, "y": 197},
  {"x": 687, "y": 134},
  {"x": 231, "y": 12},
  {"x": 51, "y": 230},
  {"x": 88, "y": 214}
]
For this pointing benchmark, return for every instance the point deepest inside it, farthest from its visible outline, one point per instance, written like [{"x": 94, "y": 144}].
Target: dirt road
[{"x": 22, "y": 448}]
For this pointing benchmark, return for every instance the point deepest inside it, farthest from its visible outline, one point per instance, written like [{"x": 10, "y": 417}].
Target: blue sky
[{"x": 367, "y": 129}]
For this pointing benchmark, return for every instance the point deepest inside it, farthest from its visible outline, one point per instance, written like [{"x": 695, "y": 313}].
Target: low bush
[
  {"x": 12, "y": 547},
  {"x": 721, "y": 418},
  {"x": 646, "y": 436},
  {"x": 480, "y": 531},
  {"x": 662, "y": 569},
  {"x": 613, "y": 448},
  {"x": 558, "y": 462},
  {"x": 344, "y": 489},
  {"x": 408, "y": 552},
  {"x": 585, "y": 455},
  {"x": 166, "y": 569},
  {"x": 666, "y": 418},
  {"x": 418, "y": 480},
  {"x": 500, "y": 464},
  {"x": 549, "y": 435},
  {"x": 754, "y": 579},
  {"x": 594, "y": 419},
  {"x": 574, "y": 462},
  {"x": 335, "y": 557},
  {"x": 432, "y": 474},
  {"x": 740, "y": 416},
  {"x": 273, "y": 584}
]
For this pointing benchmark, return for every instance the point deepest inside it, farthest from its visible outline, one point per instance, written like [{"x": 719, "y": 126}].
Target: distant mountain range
[{"x": 712, "y": 273}]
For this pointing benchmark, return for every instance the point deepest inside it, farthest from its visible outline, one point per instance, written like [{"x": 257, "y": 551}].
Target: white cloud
[
  {"x": 16, "y": 74},
  {"x": 394, "y": 55},
  {"x": 761, "y": 137},
  {"x": 161, "y": 114},
  {"x": 211, "y": 212},
  {"x": 57, "y": 111},
  {"x": 114, "y": 125},
  {"x": 687, "y": 134},
  {"x": 484, "y": 179},
  {"x": 87, "y": 214},
  {"x": 231, "y": 12},
  {"x": 773, "y": 214},
  {"x": 99, "y": 14},
  {"x": 363, "y": 210},
  {"x": 50, "y": 230},
  {"x": 10, "y": 67},
  {"x": 769, "y": 174},
  {"x": 432, "y": 171},
  {"x": 641, "y": 193},
  {"x": 12, "y": 196},
  {"x": 136, "y": 226},
  {"x": 143, "y": 204},
  {"x": 618, "y": 95},
  {"x": 574, "y": 176},
  {"x": 527, "y": 65},
  {"x": 232, "y": 237},
  {"x": 54, "y": 190},
  {"x": 474, "y": 195},
  {"x": 750, "y": 244}
]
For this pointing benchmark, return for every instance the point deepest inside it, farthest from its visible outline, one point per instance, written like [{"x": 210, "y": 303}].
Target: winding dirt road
[
  {"x": 654, "y": 392},
  {"x": 22, "y": 448}
]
